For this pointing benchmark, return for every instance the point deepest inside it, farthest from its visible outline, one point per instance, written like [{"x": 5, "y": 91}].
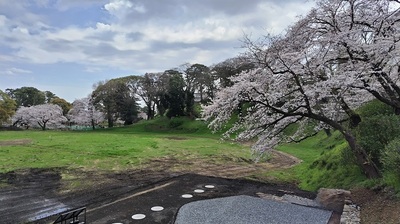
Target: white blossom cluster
[
  {"x": 84, "y": 113},
  {"x": 39, "y": 116},
  {"x": 343, "y": 54}
]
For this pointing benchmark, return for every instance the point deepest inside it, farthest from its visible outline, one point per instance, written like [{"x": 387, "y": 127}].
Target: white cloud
[
  {"x": 121, "y": 8},
  {"x": 280, "y": 16},
  {"x": 42, "y": 3},
  {"x": 15, "y": 71},
  {"x": 144, "y": 34},
  {"x": 92, "y": 69},
  {"x": 65, "y": 5},
  {"x": 192, "y": 32},
  {"x": 111, "y": 38},
  {"x": 3, "y": 20}
]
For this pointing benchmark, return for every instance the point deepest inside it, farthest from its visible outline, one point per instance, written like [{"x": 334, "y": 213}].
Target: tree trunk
[
  {"x": 153, "y": 111},
  {"x": 161, "y": 109},
  {"x": 110, "y": 120},
  {"x": 93, "y": 125},
  {"x": 355, "y": 120},
  {"x": 397, "y": 110},
  {"x": 42, "y": 126},
  {"x": 328, "y": 132},
  {"x": 149, "y": 113},
  {"x": 363, "y": 161},
  {"x": 201, "y": 94},
  {"x": 366, "y": 164}
]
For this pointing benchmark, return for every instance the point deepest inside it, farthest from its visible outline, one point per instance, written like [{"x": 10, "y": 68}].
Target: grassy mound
[
  {"x": 326, "y": 163},
  {"x": 162, "y": 125}
]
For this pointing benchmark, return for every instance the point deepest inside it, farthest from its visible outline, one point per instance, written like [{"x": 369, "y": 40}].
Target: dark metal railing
[{"x": 72, "y": 217}]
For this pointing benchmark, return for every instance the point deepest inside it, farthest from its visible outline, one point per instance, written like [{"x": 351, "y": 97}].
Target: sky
[{"x": 66, "y": 46}]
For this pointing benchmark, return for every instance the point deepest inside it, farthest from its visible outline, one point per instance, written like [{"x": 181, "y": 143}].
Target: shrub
[
  {"x": 373, "y": 108},
  {"x": 197, "y": 110},
  {"x": 391, "y": 164},
  {"x": 391, "y": 157},
  {"x": 375, "y": 132}
]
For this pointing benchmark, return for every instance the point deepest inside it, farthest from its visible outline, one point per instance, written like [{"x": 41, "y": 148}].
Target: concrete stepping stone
[
  {"x": 157, "y": 208},
  {"x": 187, "y": 196}
]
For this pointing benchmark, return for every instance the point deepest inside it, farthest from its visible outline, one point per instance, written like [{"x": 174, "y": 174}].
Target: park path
[{"x": 238, "y": 168}]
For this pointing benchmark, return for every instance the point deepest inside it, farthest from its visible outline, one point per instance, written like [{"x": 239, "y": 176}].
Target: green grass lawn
[
  {"x": 324, "y": 164},
  {"x": 133, "y": 147},
  {"x": 115, "y": 149}
]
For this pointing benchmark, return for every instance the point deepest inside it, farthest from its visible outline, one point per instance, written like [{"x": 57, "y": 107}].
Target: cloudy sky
[{"x": 65, "y": 46}]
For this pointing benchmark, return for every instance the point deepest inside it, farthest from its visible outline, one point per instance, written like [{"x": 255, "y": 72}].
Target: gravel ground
[{"x": 246, "y": 209}]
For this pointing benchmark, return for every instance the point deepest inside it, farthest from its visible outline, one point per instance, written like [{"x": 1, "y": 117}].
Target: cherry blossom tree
[
  {"x": 83, "y": 112},
  {"x": 43, "y": 116},
  {"x": 361, "y": 39},
  {"x": 342, "y": 54},
  {"x": 21, "y": 117}
]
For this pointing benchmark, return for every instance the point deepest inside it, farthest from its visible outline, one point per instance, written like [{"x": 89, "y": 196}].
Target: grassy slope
[
  {"x": 323, "y": 164},
  {"x": 117, "y": 148}
]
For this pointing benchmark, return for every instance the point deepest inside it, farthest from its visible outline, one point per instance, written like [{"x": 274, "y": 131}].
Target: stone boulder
[{"x": 332, "y": 199}]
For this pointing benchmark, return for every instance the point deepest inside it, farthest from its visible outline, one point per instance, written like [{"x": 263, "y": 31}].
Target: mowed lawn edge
[{"x": 108, "y": 149}]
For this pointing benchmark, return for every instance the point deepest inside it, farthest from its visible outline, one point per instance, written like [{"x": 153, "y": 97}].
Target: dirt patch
[
  {"x": 226, "y": 167},
  {"x": 283, "y": 160},
  {"x": 175, "y": 138},
  {"x": 229, "y": 169},
  {"x": 377, "y": 206},
  {"x": 15, "y": 142}
]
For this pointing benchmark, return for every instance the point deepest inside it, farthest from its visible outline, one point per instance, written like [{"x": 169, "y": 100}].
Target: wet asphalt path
[
  {"x": 165, "y": 195},
  {"x": 168, "y": 195}
]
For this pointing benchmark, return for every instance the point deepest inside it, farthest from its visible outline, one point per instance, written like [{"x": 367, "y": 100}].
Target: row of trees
[
  {"x": 29, "y": 107},
  {"x": 341, "y": 55},
  {"x": 171, "y": 93},
  {"x": 30, "y": 96},
  {"x": 25, "y": 97}
]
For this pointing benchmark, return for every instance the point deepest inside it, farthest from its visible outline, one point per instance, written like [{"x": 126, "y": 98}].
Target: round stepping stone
[
  {"x": 199, "y": 191},
  {"x": 187, "y": 196},
  {"x": 209, "y": 186},
  {"x": 138, "y": 216},
  {"x": 157, "y": 208}
]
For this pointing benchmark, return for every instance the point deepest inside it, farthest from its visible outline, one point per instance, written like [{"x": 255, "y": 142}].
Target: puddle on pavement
[
  {"x": 29, "y": 195},
  {"x": 52, "y": 208}
]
